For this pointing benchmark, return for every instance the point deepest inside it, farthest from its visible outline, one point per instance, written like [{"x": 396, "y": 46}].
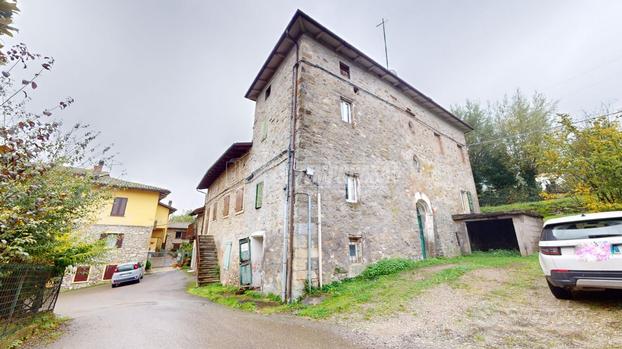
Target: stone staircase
[{"x": 208, "y": 270}]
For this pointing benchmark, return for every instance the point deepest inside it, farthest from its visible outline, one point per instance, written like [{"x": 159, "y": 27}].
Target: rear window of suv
[
  {"x": 583, "y": 230},
  {"x": 125, "y": 267}
]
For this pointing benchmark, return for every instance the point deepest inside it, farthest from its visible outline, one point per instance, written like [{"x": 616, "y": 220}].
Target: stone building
[
  {"x": 131, "y": 222},
  {"x": 176, "y": 234},
  {"x": 348, "y": 164}
]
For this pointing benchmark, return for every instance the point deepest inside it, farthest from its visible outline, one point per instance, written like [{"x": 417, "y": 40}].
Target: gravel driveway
[{"x": 158, "y": 313}]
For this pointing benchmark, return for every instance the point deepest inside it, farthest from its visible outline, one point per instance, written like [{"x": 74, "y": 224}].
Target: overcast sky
[{"x": 165, "y": 80}]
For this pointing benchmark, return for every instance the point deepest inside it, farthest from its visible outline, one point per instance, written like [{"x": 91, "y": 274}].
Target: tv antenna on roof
[{"x": 384, "y": 34}]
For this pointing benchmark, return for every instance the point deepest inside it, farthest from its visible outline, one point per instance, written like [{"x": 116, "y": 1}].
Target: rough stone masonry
[{"x": 405, "y": 158}]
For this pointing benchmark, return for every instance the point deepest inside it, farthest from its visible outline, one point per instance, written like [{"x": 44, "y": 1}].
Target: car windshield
[
  {"x": 584, "y": 230},
  {"x": 125, "y": 267}
]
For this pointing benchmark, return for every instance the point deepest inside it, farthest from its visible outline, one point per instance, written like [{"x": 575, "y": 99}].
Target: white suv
[{"x": 582, "y": 252}]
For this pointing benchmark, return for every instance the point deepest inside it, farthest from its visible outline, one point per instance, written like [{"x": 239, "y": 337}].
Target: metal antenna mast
[{"x": 384, "y": 34}]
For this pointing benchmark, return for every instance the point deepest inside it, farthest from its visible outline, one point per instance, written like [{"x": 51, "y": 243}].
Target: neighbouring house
[
  {"x": 176, "y": 234},
  {"x": 348, "y": 164},
  {"x": 159, "y": 234},
  {"x": 128, "y": 223}
]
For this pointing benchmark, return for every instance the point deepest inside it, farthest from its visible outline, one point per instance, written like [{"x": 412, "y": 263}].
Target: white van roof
[{"x": 584, "y": 217}]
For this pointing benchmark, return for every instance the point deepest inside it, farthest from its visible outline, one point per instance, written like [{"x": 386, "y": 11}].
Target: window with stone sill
[
  {"x": 355, "y": 252},
  {"x": 352, "y": 188},
  {"x": 346, "y": 111}
]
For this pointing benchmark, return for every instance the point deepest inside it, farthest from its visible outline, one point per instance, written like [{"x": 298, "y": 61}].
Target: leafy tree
[
  {"x": 7, "y": 10},
  {"x": 44, "y": 200},
  {"x": 587, "y": 159},
  {"x": 182, "y": 218},
  {"x": 505, "y": 144}
]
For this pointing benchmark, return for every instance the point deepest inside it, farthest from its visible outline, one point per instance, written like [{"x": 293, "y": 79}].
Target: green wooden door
[{"x": 421, "y": 223}]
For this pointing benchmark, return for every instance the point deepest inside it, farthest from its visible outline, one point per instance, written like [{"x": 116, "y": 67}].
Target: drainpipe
[
  {"x": 290, "y": 171},
  {"x": 309, "y": 266},
  {"x": 319, "y": 236},
  {"x": 284, "y": 255}
]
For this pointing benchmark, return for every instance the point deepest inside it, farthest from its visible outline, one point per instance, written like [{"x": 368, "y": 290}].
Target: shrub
[
  {"x": 387, "y": 267},
  {"x": 148, "y": 265}
]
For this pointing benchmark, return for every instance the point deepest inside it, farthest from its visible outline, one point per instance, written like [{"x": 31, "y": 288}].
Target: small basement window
[
  {"x": 267, "y": 93},
  {"x": 352, "y": 188},
  {"x": 355, "y": 250},
  {"x": 344, "y": 69},
  {"x": 346, "y": 111}
]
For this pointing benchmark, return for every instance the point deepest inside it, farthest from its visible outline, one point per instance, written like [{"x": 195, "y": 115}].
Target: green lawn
[
  {"x": 547, "y": 208},
  {"x": 383, "y": 288}
]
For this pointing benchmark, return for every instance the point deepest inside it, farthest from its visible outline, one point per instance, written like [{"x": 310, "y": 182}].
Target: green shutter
[{"x": 258, "y": 195}]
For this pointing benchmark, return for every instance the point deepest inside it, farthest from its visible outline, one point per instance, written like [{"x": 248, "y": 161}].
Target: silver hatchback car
[{"x": 127, "y": 272}]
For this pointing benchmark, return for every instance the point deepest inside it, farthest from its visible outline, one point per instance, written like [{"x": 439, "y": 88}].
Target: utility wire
[{"x": 547, "y": 129}]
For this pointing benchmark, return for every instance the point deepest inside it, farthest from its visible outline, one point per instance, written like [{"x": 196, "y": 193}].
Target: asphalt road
[{"x": 158, "y": 313}]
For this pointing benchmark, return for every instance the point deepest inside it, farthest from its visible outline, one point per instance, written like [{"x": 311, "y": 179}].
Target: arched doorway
[{"x": 425, "y": 225}]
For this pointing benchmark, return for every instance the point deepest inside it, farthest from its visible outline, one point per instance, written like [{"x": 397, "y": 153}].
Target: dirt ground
[{"x": 496, "y": 308}]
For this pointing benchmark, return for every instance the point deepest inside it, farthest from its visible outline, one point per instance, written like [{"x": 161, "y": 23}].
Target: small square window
[
  {"x": 346, "y": 111},
  {"x": 352, "y": 188},
  {"x": 178, "y": 234},
  {"x": 355, "y": 252},
  {"x": 344, "y": 69},
  {"x": 267, "y": 93}
]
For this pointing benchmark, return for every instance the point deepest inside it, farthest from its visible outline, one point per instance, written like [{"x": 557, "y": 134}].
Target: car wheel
[
  {"x": 113, "y": 285},
  {"x": 138, "y": 281},
  {"x": 560, "y": 292}
]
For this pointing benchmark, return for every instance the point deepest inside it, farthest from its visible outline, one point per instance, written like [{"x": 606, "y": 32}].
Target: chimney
[
  {"x": 170, "y": 203},
  {"x": 97, "y": 169}
]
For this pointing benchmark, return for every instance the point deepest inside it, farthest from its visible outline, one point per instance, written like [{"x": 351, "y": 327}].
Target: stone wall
[
  {"x": 265, "y": 163},
  {"x": 134, "y": 249},
  {"x": 391, "y": 146},
  {"x": 170, "y": 238}
]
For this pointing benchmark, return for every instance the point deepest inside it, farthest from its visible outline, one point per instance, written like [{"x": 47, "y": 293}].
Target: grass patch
[
  {"x": 547, "y": 208},
  {"x": 387, "y": 286},
  {"x": 383, "y": 288},
  {"x": 42, "y": 329},
  {"x": 233, "y": 297}
]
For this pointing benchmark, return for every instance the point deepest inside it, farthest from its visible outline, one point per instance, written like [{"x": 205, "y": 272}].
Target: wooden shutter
[
  {"x": 118, "y": 207},
  {"x": 259, "y": 195},
  {"x": 226, "y": 202},
  {"x": 119, "y": 240},
  {"x": 82, "y": 274},
  {"x": 239, "y": 200},
  {"x": 109, "y": 271}
]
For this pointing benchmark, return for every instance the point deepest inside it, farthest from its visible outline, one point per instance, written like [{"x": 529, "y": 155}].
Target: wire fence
[{"x": 26, "y": 290}]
